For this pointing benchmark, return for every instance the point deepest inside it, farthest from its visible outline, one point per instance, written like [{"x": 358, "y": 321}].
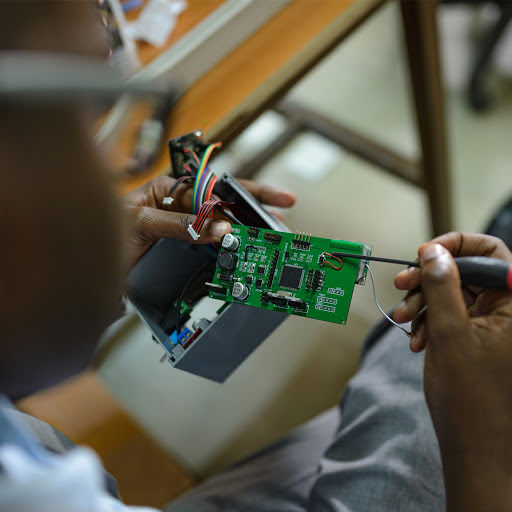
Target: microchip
[
  {"x": 291, "y": 277},
  {"x": 261, "y": 269},
  {"x": 248, "y": 279},
  {"x": 259, "y": 283}
]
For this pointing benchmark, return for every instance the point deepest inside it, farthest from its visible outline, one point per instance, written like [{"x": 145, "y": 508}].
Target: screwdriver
[{"x": 489, "y": 273}]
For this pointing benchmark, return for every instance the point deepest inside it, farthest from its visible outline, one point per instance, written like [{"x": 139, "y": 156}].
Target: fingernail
[
  {"x": 402, "y": 305},
  {"x": 279, "y": 190},
  {"x": 432, "y": 251},
  {"x": 413, "y": 343},
  {"x": 402, "y": 273},
  {"x": 219, "y": 229},
  {"x": 282, "y": 191},
  {"x": 406, "y": 272}
]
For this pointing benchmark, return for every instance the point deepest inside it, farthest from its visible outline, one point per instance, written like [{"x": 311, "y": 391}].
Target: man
[{"x": 60, "y": 280}]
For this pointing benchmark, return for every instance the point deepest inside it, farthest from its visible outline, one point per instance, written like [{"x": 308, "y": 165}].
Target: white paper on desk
[{"x": 157, "y": 20}]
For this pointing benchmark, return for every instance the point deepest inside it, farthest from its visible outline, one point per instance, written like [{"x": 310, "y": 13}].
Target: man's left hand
[{"x": 149, "y": 220}]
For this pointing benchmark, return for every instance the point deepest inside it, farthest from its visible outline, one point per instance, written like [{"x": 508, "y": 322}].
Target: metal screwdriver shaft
[{"x": 375, "y": 258}]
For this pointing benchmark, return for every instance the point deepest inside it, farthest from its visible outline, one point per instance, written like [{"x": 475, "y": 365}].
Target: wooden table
[{"x": 255, "y": 76}]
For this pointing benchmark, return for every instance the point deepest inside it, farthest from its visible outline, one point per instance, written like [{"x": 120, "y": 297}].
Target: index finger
[
  {"x": 472, "y": 244},
  {"x": 269, "y": 195}
]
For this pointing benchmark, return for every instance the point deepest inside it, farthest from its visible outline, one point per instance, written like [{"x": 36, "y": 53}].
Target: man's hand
[
  {"x": 467, "y": 334},
  {"x": 149, "y": 220}
]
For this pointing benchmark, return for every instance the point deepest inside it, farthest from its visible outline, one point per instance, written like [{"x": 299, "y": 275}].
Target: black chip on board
[
  {"x": 261, "y": 269},
  {"x": 259, "y": 283},
  {"x": 248, "y": 279},
  {"x": 291, "y": 277}
]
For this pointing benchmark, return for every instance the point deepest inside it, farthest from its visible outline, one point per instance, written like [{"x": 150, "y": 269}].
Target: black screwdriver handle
[{"x": 489, "y": 273}]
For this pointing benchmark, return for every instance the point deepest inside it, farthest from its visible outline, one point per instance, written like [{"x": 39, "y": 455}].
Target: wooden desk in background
[
  {"x": 263, "y": 68},
  {"x": 222, "y": 103},
  {"x": 252, "y": 79}
]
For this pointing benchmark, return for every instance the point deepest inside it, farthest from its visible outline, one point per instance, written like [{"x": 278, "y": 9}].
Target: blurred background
[{"x": 301, "y": 369}]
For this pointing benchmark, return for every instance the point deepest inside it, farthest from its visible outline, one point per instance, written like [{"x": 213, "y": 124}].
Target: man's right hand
[{"x": 467, "y": 334}]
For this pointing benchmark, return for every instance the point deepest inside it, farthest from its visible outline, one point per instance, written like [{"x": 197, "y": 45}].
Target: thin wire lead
[{"x": 378, "y": 305}]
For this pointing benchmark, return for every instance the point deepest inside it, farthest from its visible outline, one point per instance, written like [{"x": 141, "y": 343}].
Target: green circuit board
[{"x": 288, "y": 272}]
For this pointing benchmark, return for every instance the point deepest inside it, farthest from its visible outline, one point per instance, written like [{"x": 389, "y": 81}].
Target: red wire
[
  {"x": 205, "y": 210},
  {"x": 329, "y": 263},
  {"x": 209, "y": 190},
  {"x": 193, "y": 153},
  {"x": 177, "y": 183},
  {"x": 202, "y": 215},
  {"x": 198, "y": 225}
]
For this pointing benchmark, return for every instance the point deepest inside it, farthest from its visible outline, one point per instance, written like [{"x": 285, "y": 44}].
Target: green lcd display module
[{"x": 292, "y": 273}]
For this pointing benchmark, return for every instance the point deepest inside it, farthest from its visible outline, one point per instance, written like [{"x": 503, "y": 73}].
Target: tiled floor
[{"x": 301, "y": 369}]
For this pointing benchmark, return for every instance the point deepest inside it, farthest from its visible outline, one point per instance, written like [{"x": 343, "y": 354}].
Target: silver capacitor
[
  {"x": 230, "y": 242},
  {"x": 239, "y": 291}
]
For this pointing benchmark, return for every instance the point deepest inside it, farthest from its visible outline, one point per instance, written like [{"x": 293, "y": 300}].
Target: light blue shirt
[{"x": 33, "y": 478}]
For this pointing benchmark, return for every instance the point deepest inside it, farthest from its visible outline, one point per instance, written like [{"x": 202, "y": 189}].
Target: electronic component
[
  {"x": 224, "y": 276},
  {"x": 273, "y": 266},
  {"x": 182, "y": 337},
  {"x": 272, "y": 237},
  {"x": 248, "y": 279},
  {"x": 227, "y": 260},
  {"x": 297, "y": 303},
  {"x": 315, "y": 279},
  {"x": 253, "y": 232},
  {"x": 230, "y": 242},
  {"x": 301, "y": 241},
  {"x": 291, "y": 277},
  {"x": 217, "y": 288},
  {"x": 239, "y": 291},
  {"x": 192, "y": 232},
  {"x": 302, "y": 274}
]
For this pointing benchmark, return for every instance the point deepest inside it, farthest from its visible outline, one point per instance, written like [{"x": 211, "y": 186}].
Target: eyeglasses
[{"x": 42, "y": 77}]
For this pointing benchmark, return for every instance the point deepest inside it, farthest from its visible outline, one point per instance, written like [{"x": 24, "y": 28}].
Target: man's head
[
  {"x": 59, "y": 262},
  {"x": 59, "y": 218}
]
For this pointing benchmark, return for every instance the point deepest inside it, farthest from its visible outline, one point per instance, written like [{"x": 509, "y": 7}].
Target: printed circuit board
[{"x": 293, "y": 273}]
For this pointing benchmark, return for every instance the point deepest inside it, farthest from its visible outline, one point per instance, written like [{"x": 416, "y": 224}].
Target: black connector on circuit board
[
  {"x": 301, "y": 241},
  {"x": 253, "y": 232},
  {"x": 272, "y": 237},
  {"x": 272, "y": 270}
]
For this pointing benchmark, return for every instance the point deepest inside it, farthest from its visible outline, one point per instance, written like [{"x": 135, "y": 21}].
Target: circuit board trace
[{"x": 292, "y": 273}]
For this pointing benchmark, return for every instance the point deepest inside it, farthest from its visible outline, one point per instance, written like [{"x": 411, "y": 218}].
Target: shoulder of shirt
[{"x": 34, "y": 478}]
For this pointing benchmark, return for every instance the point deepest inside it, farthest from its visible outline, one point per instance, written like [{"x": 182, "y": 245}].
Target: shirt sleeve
[{"x": 71, "y": 482}]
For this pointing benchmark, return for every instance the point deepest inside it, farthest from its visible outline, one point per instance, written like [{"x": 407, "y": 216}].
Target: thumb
[
  {"x": 441, "y": 286},
  {"x": 152, "y": 224}
]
